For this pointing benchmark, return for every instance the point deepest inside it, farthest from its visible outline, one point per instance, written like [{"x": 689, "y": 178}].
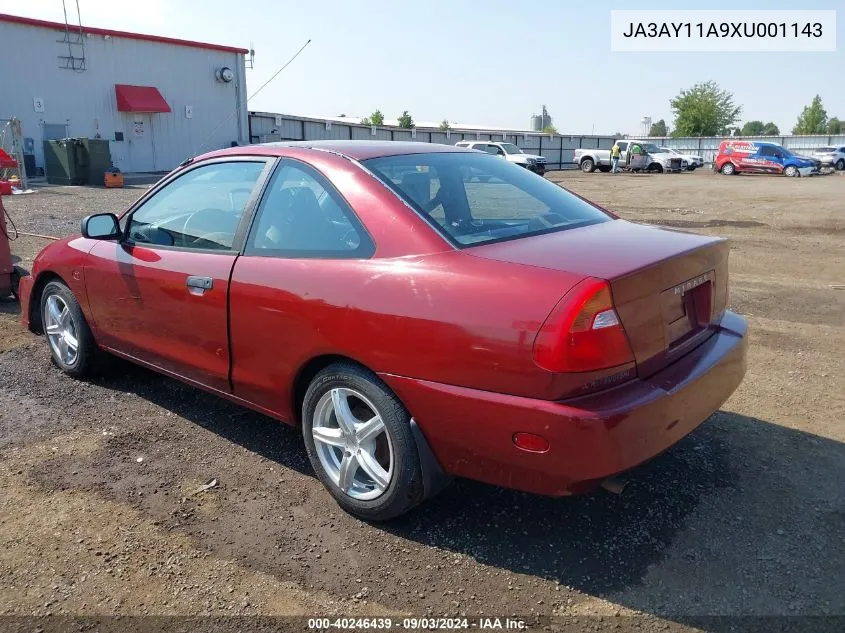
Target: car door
[
  {"x": 768, "y": 160},
  {"x": 159, "y": 295},
  {"x": 623, "y": 151},
  {"x": 291, "y": 287}
]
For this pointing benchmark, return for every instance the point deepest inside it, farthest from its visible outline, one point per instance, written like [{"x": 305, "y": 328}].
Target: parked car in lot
[
  {"x": 588, "y": 160},
  {"x": 691, "y": 162},
  {"x": 758, "y": 157},
  {"x": 509, "y": 152},
  {"x": 832, "y": 156},
  {"x": 415, "y": 324}
]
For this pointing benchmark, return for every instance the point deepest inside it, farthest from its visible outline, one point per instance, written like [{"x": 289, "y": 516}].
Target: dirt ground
[{"x": 99, "y": 513}]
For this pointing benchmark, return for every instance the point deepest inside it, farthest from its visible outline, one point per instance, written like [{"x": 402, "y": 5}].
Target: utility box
[
  {"x": 77, "y": 161},
  {"x": 98, "y": 157},
  {"x": 65, "y": 163}
]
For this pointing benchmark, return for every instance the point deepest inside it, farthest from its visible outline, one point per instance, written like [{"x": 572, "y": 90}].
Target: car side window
[
  {"x": 200, "y": 209},
  {"x": 302, "y": 215},
  {"x": 622, "y": 146}
]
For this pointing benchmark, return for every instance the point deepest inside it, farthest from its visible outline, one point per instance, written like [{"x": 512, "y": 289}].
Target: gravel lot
[{"x": 99, "y": 513}]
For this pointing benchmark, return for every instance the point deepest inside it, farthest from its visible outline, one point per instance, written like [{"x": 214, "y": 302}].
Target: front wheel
[
  {"x": 791, "y": 171},
  {"x": 359, "y": 441},
  {"x": 840, "y": 164},
  {"x": 728, "y": 169},
  {"x": 71, "y": 343}
]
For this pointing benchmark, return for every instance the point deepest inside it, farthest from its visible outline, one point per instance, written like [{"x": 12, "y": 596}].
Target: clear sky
[{"x": 486, "y": 62}]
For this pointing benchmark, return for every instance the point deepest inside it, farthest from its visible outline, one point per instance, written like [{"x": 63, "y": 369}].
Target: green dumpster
[{"x": 65, "y": 163}]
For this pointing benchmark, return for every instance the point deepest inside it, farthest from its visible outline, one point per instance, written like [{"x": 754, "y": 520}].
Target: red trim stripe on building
[{"x": 17, "y": 19}]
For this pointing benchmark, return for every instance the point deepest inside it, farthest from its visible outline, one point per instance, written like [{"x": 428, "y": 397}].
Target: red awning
[{"x": 139, "y": 99}]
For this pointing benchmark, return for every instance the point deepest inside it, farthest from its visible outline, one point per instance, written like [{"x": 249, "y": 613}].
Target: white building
[{"x": 157, "y": 100}]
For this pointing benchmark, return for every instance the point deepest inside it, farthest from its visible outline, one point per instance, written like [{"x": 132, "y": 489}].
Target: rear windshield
[{"x": 473, "y": 198}]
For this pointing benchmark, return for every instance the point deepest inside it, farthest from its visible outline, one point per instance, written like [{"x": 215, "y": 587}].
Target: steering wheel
[{"x": 208, "y": 212}]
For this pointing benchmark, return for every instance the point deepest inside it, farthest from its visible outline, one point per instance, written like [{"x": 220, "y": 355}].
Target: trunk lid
[{"x": 669, "y": 288}]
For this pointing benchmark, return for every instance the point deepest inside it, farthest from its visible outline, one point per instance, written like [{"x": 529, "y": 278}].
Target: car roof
[{"x": 356, "y": 150}]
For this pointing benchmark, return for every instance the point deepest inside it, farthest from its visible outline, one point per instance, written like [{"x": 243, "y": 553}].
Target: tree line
[
  {"x": 708, "y": 110},
  {"x": 407, "y": 122}
]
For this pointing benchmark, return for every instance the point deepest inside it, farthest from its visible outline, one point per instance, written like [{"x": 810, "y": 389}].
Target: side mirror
[{"x": 101, "y": 226}]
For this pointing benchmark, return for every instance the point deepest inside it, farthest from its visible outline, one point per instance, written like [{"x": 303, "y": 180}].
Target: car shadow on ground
[{"x": 713, "y": 504}]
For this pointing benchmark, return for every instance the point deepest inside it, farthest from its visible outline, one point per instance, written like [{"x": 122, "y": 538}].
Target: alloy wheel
[
  {"x": 61, "y": 330},
  {"x": 352, "y": 443}
]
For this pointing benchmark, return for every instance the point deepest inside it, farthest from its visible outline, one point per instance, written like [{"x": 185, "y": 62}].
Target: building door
[{"x": 139, "y": 134}]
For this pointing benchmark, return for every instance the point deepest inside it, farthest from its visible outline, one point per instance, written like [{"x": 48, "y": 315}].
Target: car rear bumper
[{"x": 590, "y": 438}]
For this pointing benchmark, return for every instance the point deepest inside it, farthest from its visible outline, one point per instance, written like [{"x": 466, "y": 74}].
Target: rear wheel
[
  {"x": 791, "y": 171},
  {"x": 728, "y": 169},
  {"x": 71, "y": 343},
  {"x": 588, "y": 166},
  {"x": 359, "y": 441}
]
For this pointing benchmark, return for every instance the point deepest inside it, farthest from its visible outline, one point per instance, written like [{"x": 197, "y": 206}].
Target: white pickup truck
[
  {"x": 509, "y": 152},
  {"x": 657, "y": 159}
]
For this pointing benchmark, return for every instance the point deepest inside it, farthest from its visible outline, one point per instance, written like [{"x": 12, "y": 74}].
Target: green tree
[
  {"x": 770, "y": 129},
  {"x": 550, "y": 129},
  {"x": 704, "y": 110},
  {"x": 377, "y": 118},
  {"x": 834, "y": 126},
  {"x": 444, "y": 125},
  {"x": 658, "y": 129},
  {"x": 405, "y": 121},
  {"x": 813, "y": 119},
  {"x": 752, "y": 128}
]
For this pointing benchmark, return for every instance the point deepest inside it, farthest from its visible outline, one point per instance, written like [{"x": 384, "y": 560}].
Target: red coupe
[{"x": 420, "y": 310}]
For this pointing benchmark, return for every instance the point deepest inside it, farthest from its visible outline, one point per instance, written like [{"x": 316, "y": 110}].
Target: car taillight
[{"x": 583, "y": 332}]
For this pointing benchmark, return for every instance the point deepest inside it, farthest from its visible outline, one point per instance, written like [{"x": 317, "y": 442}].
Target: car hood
[{"x": 525, "y": 156}]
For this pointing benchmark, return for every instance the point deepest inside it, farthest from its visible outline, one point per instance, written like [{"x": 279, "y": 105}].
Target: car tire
[
  {"x": 655, "y": 167},
  {"x": 588, "y": 166},
  {"x": 791, "y": 171},
  {"x": 385, "y": 476},
  {"x": 728, "y": 169},
  {"x": 60, "y": 311},
  {"x": 840, "y": 164},
  {"x": 604, "y": 168}
]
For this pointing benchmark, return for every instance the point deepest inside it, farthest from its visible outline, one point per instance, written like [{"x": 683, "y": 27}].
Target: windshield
[
  {"x": 651, "y": 148},
  {"x": 663, "y": 150},
  {"x": 476, "y": 198},
  {"x": 510, "y": 148}
]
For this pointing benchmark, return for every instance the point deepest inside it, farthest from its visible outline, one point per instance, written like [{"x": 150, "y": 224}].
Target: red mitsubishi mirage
[{"x": 420, "y": 311}]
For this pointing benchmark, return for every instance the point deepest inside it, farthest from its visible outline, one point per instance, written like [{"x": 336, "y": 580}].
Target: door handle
[{"x": 204, "y": 283}]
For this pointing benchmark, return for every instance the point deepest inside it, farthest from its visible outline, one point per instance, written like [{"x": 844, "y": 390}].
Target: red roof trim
[
  {"x": 139, "y": 99},
  {"x": 5, "y": 17}
]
